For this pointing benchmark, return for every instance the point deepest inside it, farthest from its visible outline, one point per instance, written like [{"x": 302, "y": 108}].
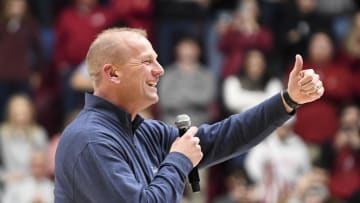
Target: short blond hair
[{"x": 107, "y": 48}]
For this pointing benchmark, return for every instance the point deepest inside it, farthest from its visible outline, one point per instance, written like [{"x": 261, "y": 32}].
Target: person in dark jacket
[
  {"x": 110, "y": 154},
  {"x": 21, "y": 54}
]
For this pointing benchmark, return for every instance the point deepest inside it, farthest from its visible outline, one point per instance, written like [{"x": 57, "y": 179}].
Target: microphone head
[{"x": 182, "y": 121}]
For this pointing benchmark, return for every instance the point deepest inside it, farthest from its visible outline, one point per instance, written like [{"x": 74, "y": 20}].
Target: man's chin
[
  {"x": 156, "y": 100},
  {"x": 153, "y": 99}
]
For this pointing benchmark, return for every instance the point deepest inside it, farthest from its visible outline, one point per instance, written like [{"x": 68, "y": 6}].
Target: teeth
[{"x": 152, "y": 84}]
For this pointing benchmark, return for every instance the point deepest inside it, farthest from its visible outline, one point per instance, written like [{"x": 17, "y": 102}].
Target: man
[{"x": 110, "y": 154}]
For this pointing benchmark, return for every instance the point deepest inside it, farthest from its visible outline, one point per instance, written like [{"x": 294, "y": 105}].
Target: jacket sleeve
[
  {"x": 238, "y": 133},
  {"x": 103, "y": 174}
]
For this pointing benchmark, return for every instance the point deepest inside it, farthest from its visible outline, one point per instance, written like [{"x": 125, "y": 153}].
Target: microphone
[{"x": 183, "y": 123}]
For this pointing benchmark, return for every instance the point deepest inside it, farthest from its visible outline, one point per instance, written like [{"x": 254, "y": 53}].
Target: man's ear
[{"x": 112, "y": 73}]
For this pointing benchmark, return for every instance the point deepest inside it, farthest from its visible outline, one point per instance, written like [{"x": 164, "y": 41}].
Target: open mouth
[{"x": 152, "y": 84}]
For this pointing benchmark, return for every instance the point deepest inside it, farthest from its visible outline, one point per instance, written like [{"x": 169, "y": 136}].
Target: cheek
[
  {"x": 136, "y": 79},
  {"x": 143, "y": 75}
]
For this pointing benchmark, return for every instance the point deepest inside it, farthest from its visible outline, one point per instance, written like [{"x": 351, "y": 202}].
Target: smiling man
[{"x": 110, "y": 154}]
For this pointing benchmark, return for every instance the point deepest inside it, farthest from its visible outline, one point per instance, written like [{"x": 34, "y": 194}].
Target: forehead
[{"x": 139, "y": 46}]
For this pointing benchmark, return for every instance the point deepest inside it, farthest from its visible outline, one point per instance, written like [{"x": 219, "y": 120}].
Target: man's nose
[{"x": 158, "y": 70}]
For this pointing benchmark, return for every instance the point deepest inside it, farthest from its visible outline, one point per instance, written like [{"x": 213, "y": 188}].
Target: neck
[
  {"x": 129, "y": 107},
  {"x": 131, "y": 110}
]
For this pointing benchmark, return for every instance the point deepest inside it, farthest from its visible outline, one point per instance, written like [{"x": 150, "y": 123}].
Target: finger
[
  {"x": 321, "y": 91},
  {"x": 311, "y": 91},
  {"x": 198, "y": 147},
  {"x": 305, "y": 80},
  {"x": 317, "y": 93},
  {"x": 195, "y": 140},
  {"x": 308, "y": 72},
  {"x": 313, "y": 85},
  {"x": 309, "y": 75},
  {"x": 298, "y": 66},
  {"x": 308, "y": 88},
  {"x": 201, "y": 154},
  {"x": 312, "y": 88},
  {"x": 191, "y": 132}
]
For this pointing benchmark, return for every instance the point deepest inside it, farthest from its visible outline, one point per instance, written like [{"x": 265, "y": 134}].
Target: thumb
[{"x": 298, "y": 66}]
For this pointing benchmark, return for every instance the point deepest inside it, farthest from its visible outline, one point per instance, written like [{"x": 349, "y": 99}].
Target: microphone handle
[
  {"x": 194, "y": 179},
  {"x": 193, "y": 176}
]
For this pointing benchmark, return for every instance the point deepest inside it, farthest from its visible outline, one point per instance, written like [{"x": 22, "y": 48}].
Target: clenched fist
[{"x": 189, "y": 145}]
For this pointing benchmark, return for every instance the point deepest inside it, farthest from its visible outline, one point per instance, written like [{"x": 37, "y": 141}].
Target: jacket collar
[{"x": 104, "y": 106}]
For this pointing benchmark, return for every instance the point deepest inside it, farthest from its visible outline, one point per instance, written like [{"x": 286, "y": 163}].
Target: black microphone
[{"x": 183, "y": 123}]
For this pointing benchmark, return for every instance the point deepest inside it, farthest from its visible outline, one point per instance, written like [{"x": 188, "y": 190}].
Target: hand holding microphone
[{"x": 188, "y": 145}]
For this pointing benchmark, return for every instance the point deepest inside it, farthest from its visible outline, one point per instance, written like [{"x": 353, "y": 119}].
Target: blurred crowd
[{"x": 220, "y": 57}]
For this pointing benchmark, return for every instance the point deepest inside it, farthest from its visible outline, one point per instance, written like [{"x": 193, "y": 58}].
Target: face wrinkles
[
  {"x": 141, "y": 67},
  {"x": 142, "y": 52},
  {"x": 143, "y": 59}
]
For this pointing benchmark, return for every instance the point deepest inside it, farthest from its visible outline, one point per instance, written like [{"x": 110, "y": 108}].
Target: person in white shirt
[
  {"x": 251, "y": 86},
  {"x": 20, "y": 134},
  {"x": 37, "y": 188},
  {"x": 276, "y": 164}
]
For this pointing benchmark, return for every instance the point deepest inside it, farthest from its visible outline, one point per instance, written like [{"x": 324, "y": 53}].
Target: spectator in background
[
  {"x": 80, "y": 79},
  {"x": 351, "y": 54},
  {"x": 242, "y": 91},
  {"x": 175, "y": 18},
  {"x": 342, "y": 156},
  {"x": 188, "y": 86},
  {"x": 317, "y": 122},
  {"x": 239, "y": 187},
  {"x": 299, "y": 23},
  {"x": 272, "y": 12},
  {"x": 135, "y": 13},
  {"x": 312, "y": 187},
  {"x": 339, "y": 12},
  {"x": 20, "y": 51},
  {"x": 42, "y": 12},
  {"x": 251, "y": 86},
  {"x": 35, "y": 188},
  {"x": 75, "y": 29},
  {"x": 244, "y": 33},
  {"x": 19, "y": 136},
  {"x": 276, "y": 164},
  {"x": 350, "y": 117}
]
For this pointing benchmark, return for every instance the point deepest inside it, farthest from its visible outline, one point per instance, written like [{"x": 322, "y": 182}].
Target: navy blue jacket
[{"x": 103, "y": 157}]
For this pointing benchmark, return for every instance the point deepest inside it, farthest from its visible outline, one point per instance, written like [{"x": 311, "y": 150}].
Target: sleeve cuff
[
  {"x": 282, "y": 106},
  {"x": 180, "y": 161}
]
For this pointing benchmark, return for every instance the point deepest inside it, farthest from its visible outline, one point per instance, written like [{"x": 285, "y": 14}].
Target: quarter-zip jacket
[{"x": 104, "y": 157}]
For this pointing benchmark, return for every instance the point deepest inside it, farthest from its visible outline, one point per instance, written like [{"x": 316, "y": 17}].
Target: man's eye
[{"x": 147, "y": 62}]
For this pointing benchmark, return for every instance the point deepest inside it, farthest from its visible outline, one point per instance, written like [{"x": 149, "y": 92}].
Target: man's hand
[
  {"x": 189, "y": 145},
  {"x": 304, "y": 85}
]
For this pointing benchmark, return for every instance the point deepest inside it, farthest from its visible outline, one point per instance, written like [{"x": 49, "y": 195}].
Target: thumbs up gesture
[{"x": 304, "y": 85}]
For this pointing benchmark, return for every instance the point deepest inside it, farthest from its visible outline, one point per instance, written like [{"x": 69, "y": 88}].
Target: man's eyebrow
[{"x": 150, "y": 55}]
